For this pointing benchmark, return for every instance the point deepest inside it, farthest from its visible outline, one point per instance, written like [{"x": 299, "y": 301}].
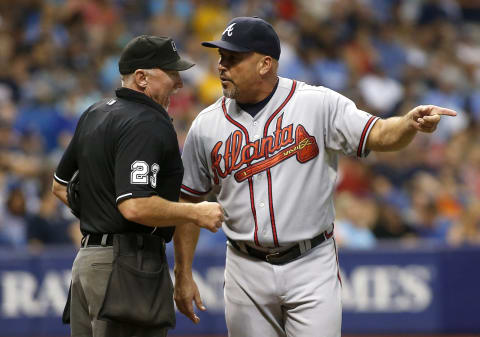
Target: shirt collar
[
  {"x": 254, "y": 108},
  {"x": 136, "y": 96}
]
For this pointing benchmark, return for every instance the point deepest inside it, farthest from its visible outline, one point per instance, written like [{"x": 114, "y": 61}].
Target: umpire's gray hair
[{"x": 127, "y": 78}]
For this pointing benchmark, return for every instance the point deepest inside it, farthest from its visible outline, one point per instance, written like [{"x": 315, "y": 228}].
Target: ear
[
  {"x": 141, "y": 78},
  {"x": 264, "y": 65}
]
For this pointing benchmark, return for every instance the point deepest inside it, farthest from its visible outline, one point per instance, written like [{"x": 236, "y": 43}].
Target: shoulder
[
  {"x": 325, "y": 95},
  {"x": 121, "y": 117},
  {"x": 305, "y": 88},
  {"x": 302, "y": 88},
  {"x": 307, "y": 93},
  {"x": 97, "y": 106},
  {"x": 212, "y": 112},
  {"x": 125, "y": 114}
]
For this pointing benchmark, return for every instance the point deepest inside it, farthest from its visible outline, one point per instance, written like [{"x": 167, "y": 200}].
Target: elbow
[
  {"x": 58, "y": 190},
  {"x": 54, "y": 190}
]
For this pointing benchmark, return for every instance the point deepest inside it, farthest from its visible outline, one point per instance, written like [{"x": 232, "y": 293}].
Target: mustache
[{"x": 224, "y": 78}]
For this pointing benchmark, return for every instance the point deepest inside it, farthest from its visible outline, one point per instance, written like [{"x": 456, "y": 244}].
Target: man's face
[
  {"x": 161, "y": 84},
  {"x": 238, "y": 73}
]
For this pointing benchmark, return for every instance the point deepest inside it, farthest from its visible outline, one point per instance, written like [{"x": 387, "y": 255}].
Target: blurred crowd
[{"x": 57, "y": 57}]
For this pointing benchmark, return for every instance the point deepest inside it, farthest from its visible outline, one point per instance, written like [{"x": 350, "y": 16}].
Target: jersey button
[
  {"x": 255, "y": 123},
  {"x": 261, "y": 204}
]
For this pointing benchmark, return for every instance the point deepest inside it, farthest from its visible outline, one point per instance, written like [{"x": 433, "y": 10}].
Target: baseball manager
[{"x": 268, "y": 149}]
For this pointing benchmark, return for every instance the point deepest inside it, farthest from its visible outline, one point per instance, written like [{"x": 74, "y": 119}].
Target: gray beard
[{"x": 231, "y": 93}]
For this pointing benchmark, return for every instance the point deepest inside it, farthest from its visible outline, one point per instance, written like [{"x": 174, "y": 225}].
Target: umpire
[{"x": 126, "y": 152}]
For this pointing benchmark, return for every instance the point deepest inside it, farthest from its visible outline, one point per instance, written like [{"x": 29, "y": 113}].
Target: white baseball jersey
[{"x": 274, "y": 174}]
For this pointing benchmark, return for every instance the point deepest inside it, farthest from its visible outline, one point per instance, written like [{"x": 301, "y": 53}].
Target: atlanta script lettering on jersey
[{"x": 236, "y": 155}]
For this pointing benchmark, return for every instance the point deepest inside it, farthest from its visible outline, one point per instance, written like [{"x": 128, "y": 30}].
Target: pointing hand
[{"x": 427, "y": 117}]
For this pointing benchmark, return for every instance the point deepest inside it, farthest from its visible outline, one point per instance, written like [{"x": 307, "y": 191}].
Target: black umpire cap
[
  {"x": 245, "y": 34},
  {"x": 147, "y": 52}
]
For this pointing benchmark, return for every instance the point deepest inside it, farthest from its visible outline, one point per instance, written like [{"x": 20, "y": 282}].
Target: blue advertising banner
[{"x": 386, "y": 290}]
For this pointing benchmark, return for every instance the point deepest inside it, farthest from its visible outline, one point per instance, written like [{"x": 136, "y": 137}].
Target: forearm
[
  {"x": 391, "y": 134},
  {"x": 185, "y": 241},
  {"x": 186, "y": 291},
  {"x": 60, "y": 191},
  {"x": 158, "y": 212},
  {"x": 397, "y": 132}
]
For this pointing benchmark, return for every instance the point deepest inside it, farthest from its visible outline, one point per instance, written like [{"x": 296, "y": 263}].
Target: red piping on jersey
[
  {"x": 338, "y": 266},
  {"x": 362, "y": 139},
  {"x": 191, "y": 190},
  {"x": 269, "y": 176},
  {"x": 250, "y": 183}
]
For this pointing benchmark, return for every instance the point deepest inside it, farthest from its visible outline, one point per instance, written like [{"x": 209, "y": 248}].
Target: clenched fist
[{"x": 209, "y": 215}]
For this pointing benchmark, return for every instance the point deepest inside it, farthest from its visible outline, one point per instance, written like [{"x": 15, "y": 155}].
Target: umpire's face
[
  {"x": 159, "y": 84},
  {"x": 241, "y": 74}
]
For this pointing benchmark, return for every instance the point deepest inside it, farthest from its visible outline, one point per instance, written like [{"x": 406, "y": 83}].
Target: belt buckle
[{"x": 272, "y": 255}]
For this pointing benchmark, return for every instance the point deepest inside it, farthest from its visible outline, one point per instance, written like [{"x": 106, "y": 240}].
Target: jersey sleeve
[
  {"x": 196, "y": 177},
  {"x": 139, "y": 154},
  {"x": 347, "y": 127},
  {"x": 68, "y": 163}
]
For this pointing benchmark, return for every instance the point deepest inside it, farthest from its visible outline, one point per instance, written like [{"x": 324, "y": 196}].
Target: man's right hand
[{"x": 209, "y": 215}]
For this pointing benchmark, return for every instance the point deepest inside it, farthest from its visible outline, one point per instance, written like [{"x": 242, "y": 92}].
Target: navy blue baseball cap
[{"x": 246, "y": 34}]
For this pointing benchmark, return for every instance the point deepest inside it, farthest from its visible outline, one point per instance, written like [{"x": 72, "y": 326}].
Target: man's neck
[
  {"x": 254, "y": 108},
  {"x": 262, "y": 92}
]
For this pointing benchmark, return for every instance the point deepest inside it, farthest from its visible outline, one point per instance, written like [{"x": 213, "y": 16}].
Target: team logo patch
[
  {"x": 174, "y": 47},
  {"x": 271, "y": 149},
  {"x": 229, "y": 29}
]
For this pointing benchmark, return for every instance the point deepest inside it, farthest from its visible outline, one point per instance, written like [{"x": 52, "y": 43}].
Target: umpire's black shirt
[{"x": 125, "y": 147}]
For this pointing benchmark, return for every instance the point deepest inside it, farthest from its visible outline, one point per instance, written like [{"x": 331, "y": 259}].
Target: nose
[
  {"x": 178, "y": 82},
  {"x": 221, "y": 66}
]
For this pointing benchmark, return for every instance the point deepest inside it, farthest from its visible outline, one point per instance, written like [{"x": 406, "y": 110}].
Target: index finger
[
  {"x": 437, "y": 110},
  {"x": 446, "y": 112}
]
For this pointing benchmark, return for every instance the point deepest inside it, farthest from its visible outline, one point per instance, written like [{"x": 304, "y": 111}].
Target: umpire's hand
[{"x": 209, "y": 215}]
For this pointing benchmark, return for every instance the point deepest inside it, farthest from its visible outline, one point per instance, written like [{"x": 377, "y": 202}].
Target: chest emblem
[{"x": 267, "y": 152}]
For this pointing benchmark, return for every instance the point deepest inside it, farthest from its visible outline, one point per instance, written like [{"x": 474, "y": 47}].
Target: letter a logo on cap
[
  {"x": 174, "y": 47},
  {"x": 229, "y": 29}
]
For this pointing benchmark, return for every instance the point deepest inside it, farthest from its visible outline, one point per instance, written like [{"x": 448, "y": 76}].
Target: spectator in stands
[
  {"x": 50, "y": 225},
  {"x": 354, "y": 221},
  {"x": 13, "y": 225},
  {"x": 390, "y": 225},
  {"x": 56, "y": 58}
]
